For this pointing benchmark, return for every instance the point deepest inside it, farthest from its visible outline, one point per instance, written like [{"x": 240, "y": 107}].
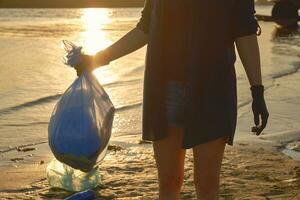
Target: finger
[
  {"x": 65, "y": 61},
  {"x": 70, "y": 55},
  {"x": 256, "y": 119},
  {"x": 254, "y": 129},
  {"x": 264, "y": 119},
  {"x": 79, "y": 72},
  {"x": 259, "y": 130},
  {"x": 67, "y": 45}
]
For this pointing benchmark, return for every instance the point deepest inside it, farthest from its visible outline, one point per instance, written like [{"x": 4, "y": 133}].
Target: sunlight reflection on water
[
  {"x": 95, "y": 38},
  {"x": 93, "y": 21}
]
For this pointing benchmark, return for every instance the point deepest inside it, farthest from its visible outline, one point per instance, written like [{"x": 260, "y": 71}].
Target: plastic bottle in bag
[{"x": 62, "y": 176}]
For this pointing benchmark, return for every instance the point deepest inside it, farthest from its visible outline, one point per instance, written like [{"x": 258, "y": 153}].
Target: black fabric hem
[
  {"x": 251, "y": 30},
  {"x": 153, "y": 139},
  {"x": 229, "y": 141}
]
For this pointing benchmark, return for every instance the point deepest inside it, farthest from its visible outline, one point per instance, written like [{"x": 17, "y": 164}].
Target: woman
[{"x": 190, "y": 84}]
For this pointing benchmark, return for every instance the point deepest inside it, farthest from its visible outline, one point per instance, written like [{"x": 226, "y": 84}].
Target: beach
[
  {"x": 33, "y": 78},
  {"x": 253, "y": 168},
  {"x": 248, "y": 172}
]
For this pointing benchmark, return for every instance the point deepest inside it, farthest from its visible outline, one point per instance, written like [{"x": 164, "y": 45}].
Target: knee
[{"x": 171, "y": 183}]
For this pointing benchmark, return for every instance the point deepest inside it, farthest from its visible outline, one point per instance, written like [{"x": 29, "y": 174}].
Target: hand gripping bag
[{"x": 81, "y": 123}]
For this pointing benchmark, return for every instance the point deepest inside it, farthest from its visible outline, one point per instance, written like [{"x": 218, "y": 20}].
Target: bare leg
[
  {"x": 169, "y": 158},
  {"x": 207, "y": 166}
]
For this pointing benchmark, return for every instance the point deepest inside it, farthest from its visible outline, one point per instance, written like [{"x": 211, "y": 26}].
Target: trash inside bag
[
  {"x": 81, "y": 123},
  {"x": 60, "y": 175}
]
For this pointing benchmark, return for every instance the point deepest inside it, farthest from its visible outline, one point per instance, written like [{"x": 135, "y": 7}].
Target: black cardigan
[{"x": 211, "y": 99}]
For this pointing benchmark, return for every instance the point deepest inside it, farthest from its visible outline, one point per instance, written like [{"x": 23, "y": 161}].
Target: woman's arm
[
  {"x": 133, "y": 40},
  {"x": 245, "y": 31},
  {"x": 248, "y": 50},
  {"x": 129, "y": 43}
]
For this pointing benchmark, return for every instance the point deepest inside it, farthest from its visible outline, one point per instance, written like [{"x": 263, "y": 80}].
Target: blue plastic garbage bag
[{"x": 81, "y": 123}]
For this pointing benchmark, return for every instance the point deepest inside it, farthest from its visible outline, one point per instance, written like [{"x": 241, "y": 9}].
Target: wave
[
  {"x": 128, "y": 107},
  {"x": 27, "y": 124},
  {"x": 35, "y": 102},
  {"x": 50, "y": 29},
  {"x": 39, "y": 31},
  {"x": 288, "y": 72},
  {"x": 21, "y": 146},
  {"x": 121, "y": 83}
]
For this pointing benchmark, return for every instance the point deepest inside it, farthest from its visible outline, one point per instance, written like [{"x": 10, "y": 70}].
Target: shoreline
[{"x": 71, "y": 4}]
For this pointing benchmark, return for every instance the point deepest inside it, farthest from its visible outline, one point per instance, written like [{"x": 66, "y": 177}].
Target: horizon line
[{"x": 71, "y": 3}]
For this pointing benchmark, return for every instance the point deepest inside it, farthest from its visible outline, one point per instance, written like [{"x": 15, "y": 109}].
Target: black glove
[{"x": 259, "y": 109}]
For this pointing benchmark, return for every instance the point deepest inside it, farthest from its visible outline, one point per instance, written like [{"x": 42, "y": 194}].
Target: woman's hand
[
  {"x": 85, "y": 61},
  {"x": 89, "y": 62},
  {"x": 259, "y": 109}
]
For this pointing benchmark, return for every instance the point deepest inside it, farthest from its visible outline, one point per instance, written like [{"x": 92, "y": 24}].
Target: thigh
[
  {"x": 169, "y": 154},
  {"x": 208, "y": 159}
]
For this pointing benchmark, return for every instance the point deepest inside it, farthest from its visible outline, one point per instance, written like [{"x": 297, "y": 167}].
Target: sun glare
[
  {"x": 94, "y": 38},
  {"x": 94, "y": 20}
]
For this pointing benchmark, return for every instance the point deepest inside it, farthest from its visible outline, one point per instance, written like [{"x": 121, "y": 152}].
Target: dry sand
[{"x": 129, "y": 173}]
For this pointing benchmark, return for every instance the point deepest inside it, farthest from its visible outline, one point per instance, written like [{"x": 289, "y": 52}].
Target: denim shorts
[{"x": 174, "y": 102}]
